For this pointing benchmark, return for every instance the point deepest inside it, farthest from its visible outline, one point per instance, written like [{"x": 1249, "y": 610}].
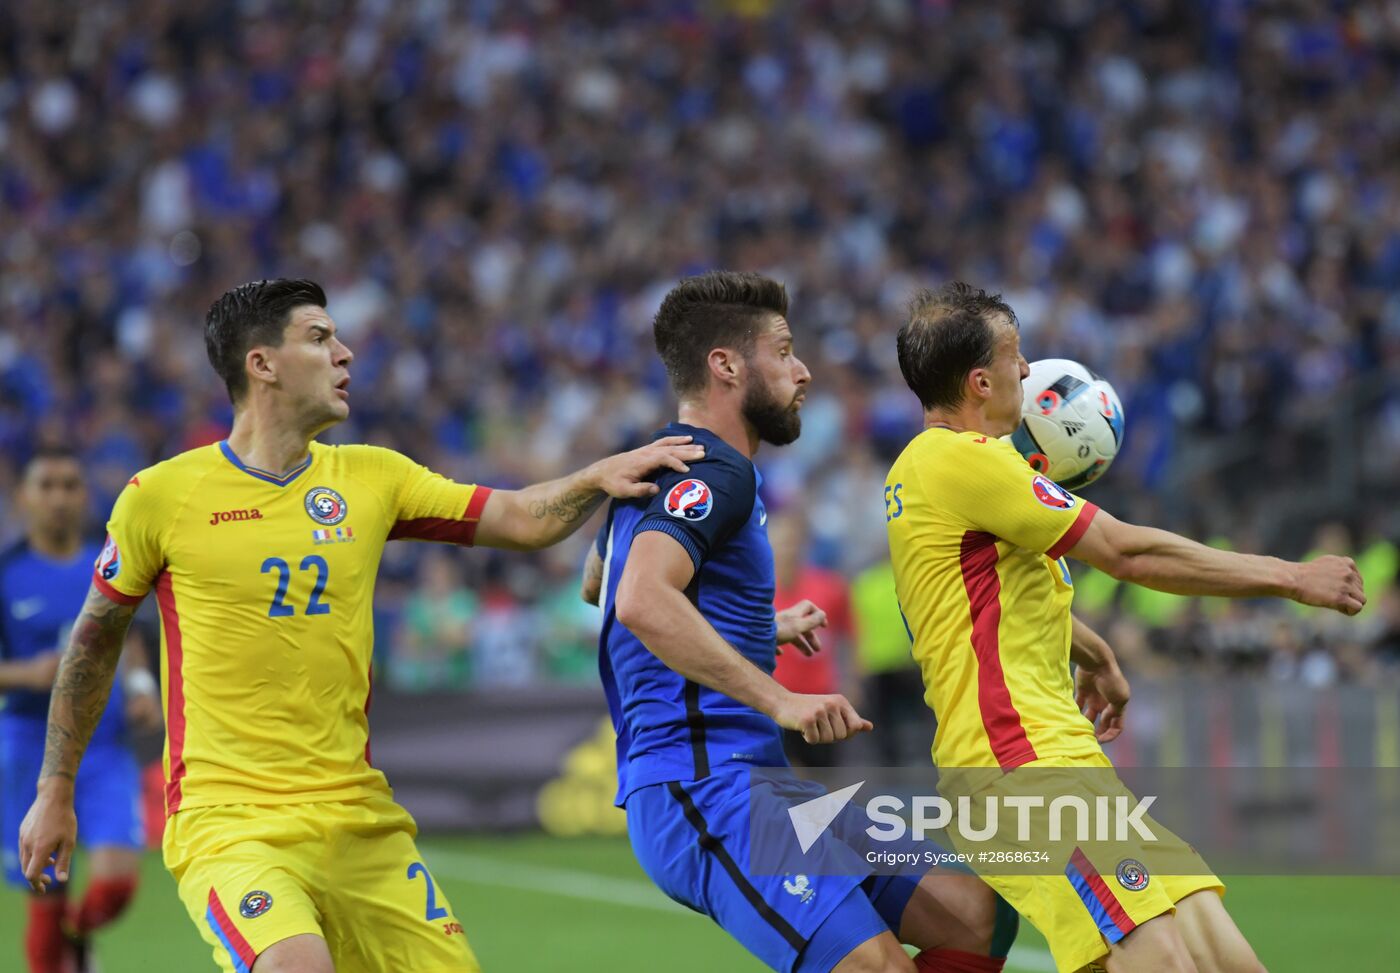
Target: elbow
[{"x": 634, "y": 607}]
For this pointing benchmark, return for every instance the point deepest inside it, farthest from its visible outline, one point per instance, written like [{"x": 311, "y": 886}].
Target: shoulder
[
  {"x": 173, "y": 476},
  {"x": 956, "y": 454},
  {"x": 362, "y": 458},
  {"x": 13, "y": 554}
]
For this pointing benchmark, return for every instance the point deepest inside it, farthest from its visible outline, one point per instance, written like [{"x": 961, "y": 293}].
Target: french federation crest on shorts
[
  {"x": 1050, "y": 493},
  {"x": 690, "y": 500},
  {"x": 254, "y": 904},
  {"x": 1132, "y": 874},
  {"x": 325, "y": 506},
  {"x": 109, "y": 562}
]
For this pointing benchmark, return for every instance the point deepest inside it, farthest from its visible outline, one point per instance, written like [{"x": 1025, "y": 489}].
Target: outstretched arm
[
  {"x": 652, "y": 603},
  {"x": 1168, "y": 562},
  {"x": 80, "y": 692},
  {"x": 546, "y": 513}
]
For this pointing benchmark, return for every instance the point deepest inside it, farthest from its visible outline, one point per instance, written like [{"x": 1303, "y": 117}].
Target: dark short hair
[
  {"x": 723, "y": 308},
  {"x": 949, "y": 333},
  {"x": 51, "y": 451},
  {"x": 249, "y": 315}
]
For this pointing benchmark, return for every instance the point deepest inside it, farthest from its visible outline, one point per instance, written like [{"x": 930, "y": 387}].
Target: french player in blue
[
  {"x": 44, "y": 579},
  {"x": 685, "y": 579}
]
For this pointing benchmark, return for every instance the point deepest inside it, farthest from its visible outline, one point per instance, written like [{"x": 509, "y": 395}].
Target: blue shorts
[
  {"x": 107, "y": 796},
  {"x": 694, "y": 840}
]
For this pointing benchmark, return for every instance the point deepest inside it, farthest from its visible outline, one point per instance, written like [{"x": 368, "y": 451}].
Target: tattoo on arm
[
  {"x": 567, "y": 507},
  {"x": 84, "y": 682}
]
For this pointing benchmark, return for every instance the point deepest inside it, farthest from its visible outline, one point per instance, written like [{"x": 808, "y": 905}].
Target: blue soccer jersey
[
  {"x": 668, "y": 727},
  {"x": 40, "y": 598}
]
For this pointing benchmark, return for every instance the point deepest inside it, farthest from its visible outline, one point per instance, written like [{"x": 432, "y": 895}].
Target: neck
[
  {"x": 726, "y": 423},
  {"x": 59, "y": 545},
  {"x": 266, "y": 441},
  {"x": 958, "y": 420}
]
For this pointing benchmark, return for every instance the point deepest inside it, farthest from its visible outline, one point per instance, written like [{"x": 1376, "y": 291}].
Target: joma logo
[{"x": 224, "y": 516}]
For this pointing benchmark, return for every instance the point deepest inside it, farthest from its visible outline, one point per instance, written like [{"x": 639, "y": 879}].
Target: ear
[
  {"x": 979, "y": 383},
  {"x": 260, "y": 365},
  {"x": 726, "y": 365}
]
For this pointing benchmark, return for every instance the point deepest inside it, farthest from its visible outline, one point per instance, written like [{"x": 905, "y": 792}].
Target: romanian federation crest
[
  {"x": 325, "y": 506},
  {"x": 1132, "y": 874},
  {"x": 254, "y": 904}
]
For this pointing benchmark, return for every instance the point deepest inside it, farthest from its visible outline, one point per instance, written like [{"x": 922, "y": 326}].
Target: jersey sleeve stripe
[
  {"x": 112, "y": 594},
  {"x": 1002, "y": 722},
  {"x": 174, "y": 692},
  {"x": 447, "y": 530},
  {"x": 674, "y": 530},
  {"x": 1107, "y": 911},
  {"x": 1076, "y": 531},
  {"x": 239, "y": 950}
]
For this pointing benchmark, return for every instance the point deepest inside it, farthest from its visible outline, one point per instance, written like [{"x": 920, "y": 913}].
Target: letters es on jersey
[
  {"x": 690, "y": 500},
  {"x": 1050, "y": 493},
  {"x": 325, "y": 506}
]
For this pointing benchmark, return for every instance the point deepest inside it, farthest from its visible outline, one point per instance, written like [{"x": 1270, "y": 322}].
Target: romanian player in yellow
[
  {"x": 262, "y": 550},
  {"x": 979, "y": 542}
]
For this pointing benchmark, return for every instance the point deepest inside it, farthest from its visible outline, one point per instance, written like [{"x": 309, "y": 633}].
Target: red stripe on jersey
[
  {"x": 174, "y": 692},
  {"x": 236, "y": 941},
  {"x": 112, "y": 594},
  {"x": 1101, "y": 891},
  {"x": 1076, "y": 531},
  {"x": 461, "y": 530},
  {"x": 1000, "y": 719}
]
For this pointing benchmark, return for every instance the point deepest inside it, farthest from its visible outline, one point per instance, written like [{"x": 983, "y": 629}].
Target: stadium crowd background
[{"x": 1198, "y": 199}]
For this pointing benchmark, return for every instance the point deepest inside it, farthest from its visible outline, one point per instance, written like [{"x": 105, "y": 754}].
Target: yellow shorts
[
  {"x": 1096, "y": 888},
  {"x": 350, "y": 873}
]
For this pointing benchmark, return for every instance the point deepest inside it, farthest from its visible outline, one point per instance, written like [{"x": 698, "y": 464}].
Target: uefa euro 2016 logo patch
[
  {"x": 690, "y": 500},
  {"x": 254, "y": 904},
  {"x": 325, "y": 506},
  {"x": 109, "y": 562},
  {"x": 1050, "y": 493},
  {"x": 1132, "y": 875}
]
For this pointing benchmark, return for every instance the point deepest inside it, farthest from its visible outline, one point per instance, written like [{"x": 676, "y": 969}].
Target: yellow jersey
[
  {"x": 265, "y": 586},
  {"x": 977, "y": 539}
]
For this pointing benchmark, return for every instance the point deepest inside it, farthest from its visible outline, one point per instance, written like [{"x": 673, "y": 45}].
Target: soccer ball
[{"x": 1071, "y": 422}]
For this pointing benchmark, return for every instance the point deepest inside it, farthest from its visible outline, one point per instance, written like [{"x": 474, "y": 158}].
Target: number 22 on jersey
[{"x": 314, "y": 606}]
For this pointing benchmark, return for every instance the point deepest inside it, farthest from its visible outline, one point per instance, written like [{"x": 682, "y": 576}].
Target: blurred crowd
[{"x": 1197, "y": 199}]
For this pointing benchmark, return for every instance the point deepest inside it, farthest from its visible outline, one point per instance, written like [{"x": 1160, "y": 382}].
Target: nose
[
  {"x": 344, "y": 355},
  {"x": 1025, "y": 367},
  {"x": 800, "y": 373}
]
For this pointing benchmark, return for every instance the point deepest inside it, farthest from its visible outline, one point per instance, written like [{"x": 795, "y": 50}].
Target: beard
[{"x": 776, "y": 423}]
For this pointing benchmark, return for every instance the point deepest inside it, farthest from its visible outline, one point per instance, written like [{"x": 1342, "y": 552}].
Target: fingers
[
  {"x": 65, "y": 859},
  {"x": 673, "y": 441}
]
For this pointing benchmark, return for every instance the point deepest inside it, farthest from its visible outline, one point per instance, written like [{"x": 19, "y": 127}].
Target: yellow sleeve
[
  {"x": 990, "y": 487},
  {"x": 427, "y": 506},
  {"x": 134, "y": 553}
]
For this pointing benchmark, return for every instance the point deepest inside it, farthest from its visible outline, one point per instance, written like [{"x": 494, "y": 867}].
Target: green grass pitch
[{"x": 533, "y": 904}]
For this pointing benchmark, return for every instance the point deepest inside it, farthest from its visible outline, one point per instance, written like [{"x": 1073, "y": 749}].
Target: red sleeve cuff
[
  {"x": 112, "y": 594},
  {"x": 446, "y": 530},
  {"x": 1076, "y": 531}
]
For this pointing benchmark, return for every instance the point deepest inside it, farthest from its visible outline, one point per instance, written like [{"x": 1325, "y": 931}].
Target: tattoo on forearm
[
  {"x": 567, "y": 507},
  {"x": 83, "y": 683}
]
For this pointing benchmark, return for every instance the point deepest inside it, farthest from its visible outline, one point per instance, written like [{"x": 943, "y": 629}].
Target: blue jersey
[
  {"x": 39, "y": 600},
  {"x": 669, "y": 728}
]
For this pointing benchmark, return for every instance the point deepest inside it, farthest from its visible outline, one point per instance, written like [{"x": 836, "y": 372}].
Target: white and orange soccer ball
[{"x": 1071, "y": 422}]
